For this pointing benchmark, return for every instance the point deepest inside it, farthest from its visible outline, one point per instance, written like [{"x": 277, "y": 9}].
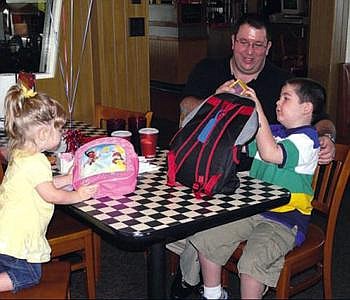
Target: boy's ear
[{"x": 308, "y": 107}]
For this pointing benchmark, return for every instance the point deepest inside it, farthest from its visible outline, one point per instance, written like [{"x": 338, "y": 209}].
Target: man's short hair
[{"x": 255, "y": 21}]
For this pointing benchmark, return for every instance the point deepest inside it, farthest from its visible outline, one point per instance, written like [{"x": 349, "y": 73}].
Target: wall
[
  {"x": 175, "y": 45},
  {"x": 327, "y": 46},
  {"x": 172, "y": 59},
  {"x": 120, "y": 62},
  {"x": 115, "y": 67}
]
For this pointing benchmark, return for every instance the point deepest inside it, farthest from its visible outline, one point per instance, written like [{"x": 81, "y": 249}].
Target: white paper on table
[{"x": 145, "y": 166}]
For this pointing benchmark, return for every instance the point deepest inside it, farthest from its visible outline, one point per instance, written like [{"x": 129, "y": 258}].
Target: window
[{"x": 29, "y": 36}]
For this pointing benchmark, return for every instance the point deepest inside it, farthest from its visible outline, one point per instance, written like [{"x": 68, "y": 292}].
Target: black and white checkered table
[{"x": 155, "y": 207}]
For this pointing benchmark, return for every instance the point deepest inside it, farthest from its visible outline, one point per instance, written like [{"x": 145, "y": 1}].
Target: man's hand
[
  {"x": 325, "y": 127},
  {"x": 226, "y": 87},
  {"x": 187, "y": 105},
  {"x": 327, "y": 150}
]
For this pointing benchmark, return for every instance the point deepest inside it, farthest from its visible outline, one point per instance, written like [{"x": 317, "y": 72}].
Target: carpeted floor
[{"x": 123, "y": 274}]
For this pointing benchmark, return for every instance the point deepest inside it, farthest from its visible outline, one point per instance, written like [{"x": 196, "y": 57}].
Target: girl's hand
[{"x": 87, "y": 191}]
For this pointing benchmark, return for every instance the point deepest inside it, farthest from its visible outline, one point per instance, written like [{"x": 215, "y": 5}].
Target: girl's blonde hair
[{"x": 23, "y": 112}]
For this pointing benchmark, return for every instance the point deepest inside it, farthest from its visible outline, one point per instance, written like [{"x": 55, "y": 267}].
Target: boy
[{"x": 285, "y": 155}]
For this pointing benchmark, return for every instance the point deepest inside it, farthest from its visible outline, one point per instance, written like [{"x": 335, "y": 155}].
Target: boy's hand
[
  {"x": 250, "y": 93},
  {"x": 87, "y": 191}
]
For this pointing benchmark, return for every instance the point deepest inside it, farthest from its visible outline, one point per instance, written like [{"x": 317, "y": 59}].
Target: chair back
[
  {"x": 329, "y": 183},
  {"x": 103, "y": 113}
]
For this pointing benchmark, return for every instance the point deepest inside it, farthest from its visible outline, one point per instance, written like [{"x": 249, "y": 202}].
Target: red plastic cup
[
  {"x": 125, "y": 134},
  {"x": 148, "y": 141}
]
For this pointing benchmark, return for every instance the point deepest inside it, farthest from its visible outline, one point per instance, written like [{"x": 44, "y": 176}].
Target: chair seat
[
  {"x": 54, "y": 284},
  {"x": 310, "y": 249}
]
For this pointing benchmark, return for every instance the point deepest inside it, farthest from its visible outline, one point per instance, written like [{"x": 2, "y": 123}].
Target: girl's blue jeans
[{"x": 22, "y": 273}]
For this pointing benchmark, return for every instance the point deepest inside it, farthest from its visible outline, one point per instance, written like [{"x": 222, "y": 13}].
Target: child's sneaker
[{"x": 224, "y": 294}]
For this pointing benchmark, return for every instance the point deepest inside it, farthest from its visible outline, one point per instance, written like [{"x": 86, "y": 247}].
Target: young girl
[{"x": 33, "y": 123}]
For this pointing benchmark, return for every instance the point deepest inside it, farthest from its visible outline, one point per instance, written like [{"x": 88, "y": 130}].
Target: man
[{"x": 251, "y": 42}]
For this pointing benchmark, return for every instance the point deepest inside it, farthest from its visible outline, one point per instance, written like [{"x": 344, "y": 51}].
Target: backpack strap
[
  {"x": 208, "y": 188},
  {"x": 171, "y": 169}
]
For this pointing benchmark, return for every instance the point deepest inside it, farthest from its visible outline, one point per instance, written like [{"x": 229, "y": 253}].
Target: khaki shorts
[{"x": 263, "y": 256}]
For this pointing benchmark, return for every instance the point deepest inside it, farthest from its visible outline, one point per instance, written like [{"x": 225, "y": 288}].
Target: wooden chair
[
  {"x": 103, "y": 113},
  {"x": 54, "y": 284},
  {"x": 315, "y": 254},
  {"x": 67, "y": 236}
]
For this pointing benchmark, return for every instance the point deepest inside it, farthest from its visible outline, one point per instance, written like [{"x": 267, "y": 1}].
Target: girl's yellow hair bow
[{"x": 28, "y": 93}]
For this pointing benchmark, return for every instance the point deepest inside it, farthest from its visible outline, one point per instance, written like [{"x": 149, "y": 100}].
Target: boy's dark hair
[
  {"x": 309, "y": 90},
  {"x": 255, "y": 21}
]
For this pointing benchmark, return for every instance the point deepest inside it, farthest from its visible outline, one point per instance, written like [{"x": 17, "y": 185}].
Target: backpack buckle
[{"x": 196, "y": 186}]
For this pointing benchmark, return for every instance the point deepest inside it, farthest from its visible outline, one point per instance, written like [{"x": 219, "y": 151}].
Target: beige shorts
[{"x": 263, "y": 256}]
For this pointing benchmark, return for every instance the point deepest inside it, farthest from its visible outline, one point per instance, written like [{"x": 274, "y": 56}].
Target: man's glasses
[{"x": 255, "y": 45}]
